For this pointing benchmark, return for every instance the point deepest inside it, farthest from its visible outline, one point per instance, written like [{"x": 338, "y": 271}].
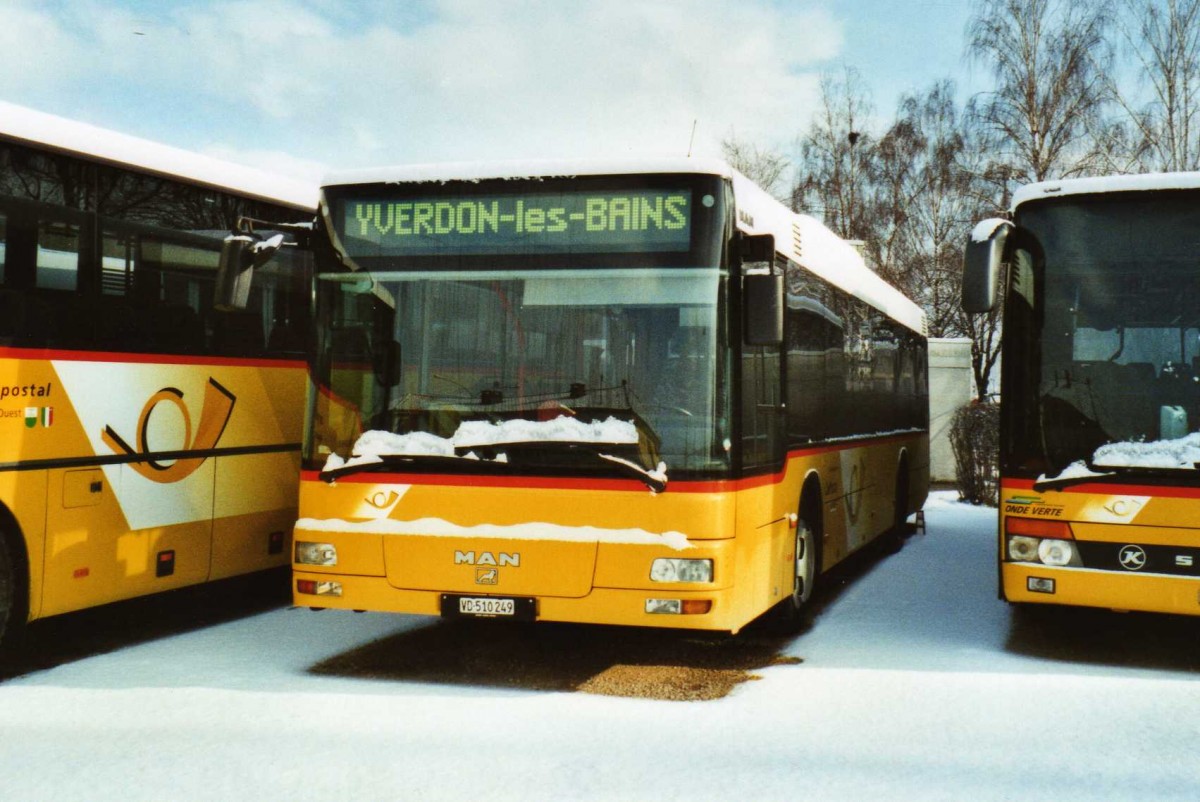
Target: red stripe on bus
[
  {"x": 574, "y": 483},
  {"x": 1103, "y": 488},
  {"x": 51, "y": 354}
]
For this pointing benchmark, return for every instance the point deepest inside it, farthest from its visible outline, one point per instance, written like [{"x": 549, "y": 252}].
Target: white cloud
[
  {"x": 34, "y": 49},
  {"x": 472, "y": 79}
]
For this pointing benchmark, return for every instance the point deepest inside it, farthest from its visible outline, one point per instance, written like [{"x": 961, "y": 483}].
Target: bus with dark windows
[
  {"x": 148, "y": 439},
  {"x": 1100, "y": 391},
  {"x": 633, "y": 393}
]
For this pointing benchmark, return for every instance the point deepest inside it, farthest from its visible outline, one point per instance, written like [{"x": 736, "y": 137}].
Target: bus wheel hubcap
[{"x": 803, "y": 553}]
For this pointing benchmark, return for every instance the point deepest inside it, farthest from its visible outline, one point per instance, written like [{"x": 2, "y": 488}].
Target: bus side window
[{"x": 57, "y": 256}]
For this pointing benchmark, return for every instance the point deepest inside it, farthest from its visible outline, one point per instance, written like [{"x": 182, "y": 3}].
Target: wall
[{"x": 950, "y": 386}]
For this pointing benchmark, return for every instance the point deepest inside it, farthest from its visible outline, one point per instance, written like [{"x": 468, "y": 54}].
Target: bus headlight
[
  {"x": 315, "y": 553},
  {"x": 1023, "y": 549},
  {"x": 670, "y": 569},
  {"x": 1056, "y": 552}
]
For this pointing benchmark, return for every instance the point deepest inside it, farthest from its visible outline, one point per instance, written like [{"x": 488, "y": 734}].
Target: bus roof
[
  {"x": 26, "y": 126},
  {"x": 803, "y": 239},
  {"x": 1146, "y": 182},
  {"x": 531, "y": 168},
  {"x": 806, "y": 241}
]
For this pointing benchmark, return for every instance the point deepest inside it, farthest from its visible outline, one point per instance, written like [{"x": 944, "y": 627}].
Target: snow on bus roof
[
  {"x": 802, "y": 238},
  {"x": 21, "y": 124},
  {"x": 528, "y": 168},
  {"x": 1144, "y": 182},
  {"x": 806, "y": 241}
]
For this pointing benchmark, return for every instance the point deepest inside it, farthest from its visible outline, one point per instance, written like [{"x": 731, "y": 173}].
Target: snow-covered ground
[{"x": 916, "y": 683}]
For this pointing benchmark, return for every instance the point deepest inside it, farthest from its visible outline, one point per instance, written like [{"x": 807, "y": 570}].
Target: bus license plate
[
  {"x": 486, "y": 606},
  {"x": 489, "y": 607}
]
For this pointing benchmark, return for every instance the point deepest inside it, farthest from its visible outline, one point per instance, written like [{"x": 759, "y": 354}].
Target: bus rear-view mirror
[
  {"x": 241, "y": 254},
  {"x": 981, "y": 265},
  {"x": 763, "y": 308}
]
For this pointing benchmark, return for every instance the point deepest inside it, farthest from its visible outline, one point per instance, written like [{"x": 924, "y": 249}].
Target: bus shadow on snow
[
  {"x": 612, "y": 661},
  {"x": 1101, "y": 637},
  {"x": 62, "y": 639},
  {"x": 631, "y": 662}
]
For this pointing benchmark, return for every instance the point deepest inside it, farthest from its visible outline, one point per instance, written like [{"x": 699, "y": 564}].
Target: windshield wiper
[
  {"x": 521, "y": 453},
  {"x": 1061, "y": 482},
  {"x": 376, "y": 461},
  {"x": 1108, "y": 472},
  {"x": 655, "y": 480}
]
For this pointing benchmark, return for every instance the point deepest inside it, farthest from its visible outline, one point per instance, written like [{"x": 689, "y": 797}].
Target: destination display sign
[{"x": 561, "y": 222}]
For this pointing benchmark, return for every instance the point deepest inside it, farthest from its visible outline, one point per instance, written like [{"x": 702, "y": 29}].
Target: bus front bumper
[
  {"x": 1028, "y": 583},
  {"x": 615, "y": 606}
]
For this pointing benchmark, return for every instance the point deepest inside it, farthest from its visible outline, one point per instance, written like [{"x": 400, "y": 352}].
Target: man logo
[
  {"x": 487, "y": 576},
  {"x": 1133, "y": 558},
  {"x": 500, "y": 559}
]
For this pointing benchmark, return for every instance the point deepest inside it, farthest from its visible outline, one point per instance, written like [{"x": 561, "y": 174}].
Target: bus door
[{"x": 140, "y": 520}]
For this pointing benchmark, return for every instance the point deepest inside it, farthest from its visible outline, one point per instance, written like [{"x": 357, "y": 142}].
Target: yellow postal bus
[
  {"x": 638, "y": 393},
  {"x": 1099, "y": 450},
  {"x": 147, "y": 441}
]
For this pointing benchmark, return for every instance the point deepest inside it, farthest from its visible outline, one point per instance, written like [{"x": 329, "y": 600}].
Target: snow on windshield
[
  {"x": 1183, "y": 452},
  {"x": 374, "y": 445}
]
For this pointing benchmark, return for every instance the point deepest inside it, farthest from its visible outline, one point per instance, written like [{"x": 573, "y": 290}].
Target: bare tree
[
  {"x": 764, "y": 166},
  {"x": 835, "y": 157},
  {"x": 1048, "y": 58},
  {"x": 940, "y": 206},
  {"x": 1163, "y": 39},
  {"x": 988, "y": 185},
  {"x": 895, "y": 185}
]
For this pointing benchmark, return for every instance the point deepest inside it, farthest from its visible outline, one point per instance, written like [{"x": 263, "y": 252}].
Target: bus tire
[
  {"x": 899, "y": 531},
  {"x": 11, "y": 593},
  {"x": 794, "y": 613}
]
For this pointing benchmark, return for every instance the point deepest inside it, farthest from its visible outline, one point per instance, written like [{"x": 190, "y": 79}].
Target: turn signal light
[
  {"x": 678, "y": 606},
  {"x": 1037, "y": 527},
  {"x": 312, "y": 587}
]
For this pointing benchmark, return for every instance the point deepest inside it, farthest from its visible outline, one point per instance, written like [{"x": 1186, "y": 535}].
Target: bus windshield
[
  {"x": 1105, "y": 322},
  {"x": 578, "y": 352}
]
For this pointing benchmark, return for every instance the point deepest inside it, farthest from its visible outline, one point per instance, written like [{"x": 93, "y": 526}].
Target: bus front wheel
[{"x": 793, "y": 613}]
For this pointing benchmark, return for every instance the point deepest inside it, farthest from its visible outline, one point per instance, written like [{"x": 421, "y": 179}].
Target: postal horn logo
[{"x": 170, "y": 466}]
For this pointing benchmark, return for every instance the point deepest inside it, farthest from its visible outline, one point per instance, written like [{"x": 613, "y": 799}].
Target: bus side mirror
[
  {"x": 762, "y": 290},
  {"x": 756, "y": 248},
  {"x": 241, "y": 254},
  {"x": 981, "y": 265},
  {"x": 762, "y": 310}
]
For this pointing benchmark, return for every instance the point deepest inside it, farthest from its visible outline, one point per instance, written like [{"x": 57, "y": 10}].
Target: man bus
[
  {"x": 147, "y": 440},
  {"x": 1100, "y": 391},
  {"x": 624, "y": 393}
]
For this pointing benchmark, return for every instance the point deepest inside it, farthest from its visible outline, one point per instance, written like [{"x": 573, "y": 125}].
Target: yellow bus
[
  {"x": 147, "y": 441},
  {"x": 634, "y": 393},
  {"x": 1100, "y": 391}
]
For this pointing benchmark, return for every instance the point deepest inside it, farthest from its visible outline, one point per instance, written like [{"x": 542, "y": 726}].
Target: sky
[{"x": 301, "y": 88}]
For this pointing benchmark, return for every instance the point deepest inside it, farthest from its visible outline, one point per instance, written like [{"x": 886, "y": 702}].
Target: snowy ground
[{"x": 916, "y": 683}]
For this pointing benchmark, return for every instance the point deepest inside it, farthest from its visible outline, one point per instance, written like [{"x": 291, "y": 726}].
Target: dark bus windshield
[
  {"x": 1103, "y": 329},
  {"x": 521, "y": 326}
]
